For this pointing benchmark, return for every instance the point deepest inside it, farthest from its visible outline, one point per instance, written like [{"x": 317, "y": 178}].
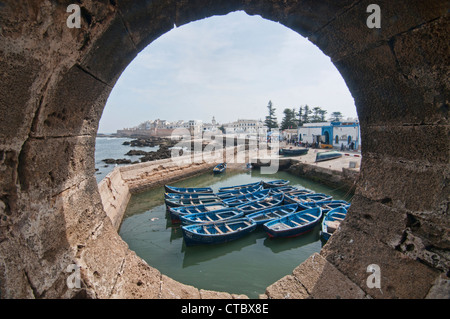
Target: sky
[{"x": 228, "y": 67}]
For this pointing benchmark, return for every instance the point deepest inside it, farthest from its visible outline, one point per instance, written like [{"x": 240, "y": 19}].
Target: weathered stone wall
[
  {"x": 55, "y": 82},
  {"x": 115, "y": 195}
]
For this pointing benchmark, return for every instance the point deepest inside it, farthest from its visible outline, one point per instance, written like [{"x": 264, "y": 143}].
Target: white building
[
  {"x": 336, "y": 134},
  {"x": 243, "y": 126}
]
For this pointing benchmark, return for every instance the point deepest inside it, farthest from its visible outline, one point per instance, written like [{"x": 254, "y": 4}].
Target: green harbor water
[{"x": 245, "y": 266}]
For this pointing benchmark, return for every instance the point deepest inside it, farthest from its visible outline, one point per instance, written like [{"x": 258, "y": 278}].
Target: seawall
[{"x": 118, "y": 186}]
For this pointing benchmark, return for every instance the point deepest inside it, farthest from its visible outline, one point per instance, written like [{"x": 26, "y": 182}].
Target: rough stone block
[
  {"x": 410, "y": 142},
  {"x": 348, "y": 33},
  {"x": 72, "y": 107},
  {"x": 37, "y": 167},
  {"x": 209, "y": 294},
  {"x": 427, "y": 65},
  {"x": 287, "y": 287},
  {"x": 171, "y": 289},
  {"x": 393, "y": 181},
  {"x": 137, "y": 280},
  {"x": 366, "y": 215},
  {"x": 101, "y": 259},
  {"x": 15, "y": 92},
  {"x": 383, "y": 96},
  {"x": 352, "y": 251},
  {"x": 135, "y": 14},
  {"x": 323, "y": 281},
  {"x": 112, "y": 53}
]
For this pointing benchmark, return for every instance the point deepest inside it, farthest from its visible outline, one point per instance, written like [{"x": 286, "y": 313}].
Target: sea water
[{"x": 112, "y": 147}]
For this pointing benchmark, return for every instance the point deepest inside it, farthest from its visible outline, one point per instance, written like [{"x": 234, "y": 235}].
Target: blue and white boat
[
  {"x": 178, "y": 202},
  {"x": 220, "y": 168},
  {"x": 326, "y": 156},
  {"x": 240, "y": 191},
  {"x": 177, "y": 212},
  {"x": 294, "y": 224},
  {"x": 173, "y": 189},
  {"x": 332, "y": 221},
  {"x": 235, "y": 187},
  {"x": 283, "y": 189},
  {"x": 244, "y": 199},
  {"x": 189, "y": 195},
  {"x": 210, "y": 217},
  {"x": 313, "y": 197},
  {"x": 275, "y": 183},
  {"x": 326, "y": 205},
  {"x": 219, "y": 232},
  {"x": 267, "y": 202},
  {"x": 266, "y": 215}
]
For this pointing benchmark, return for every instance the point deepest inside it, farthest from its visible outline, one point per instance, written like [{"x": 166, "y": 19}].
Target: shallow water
[{"x": 245, "y": 266}]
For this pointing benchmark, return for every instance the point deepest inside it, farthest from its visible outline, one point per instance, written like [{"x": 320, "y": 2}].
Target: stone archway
[{"x": 55, "y": 82}]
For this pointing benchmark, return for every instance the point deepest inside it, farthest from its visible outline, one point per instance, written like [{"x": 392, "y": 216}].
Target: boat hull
[
  {"x": 334, "y": 215},
  {"x": 244, "y": 199},
  {"x": 177, "y": 212},
  {"x": 256, "y": 206},
  {"x": 195, "y": 234},
  {"x": 237, "y": 187},
  {"x": 263, "y": 216},
  {"x": 326, "y": 156},
  {"x": 294, "y": 224},
  {"x": 211, "y": 217},
  {"x": 191, "y": 201},
  {"x": 220, "y": 168},
  {"x": 184, "y": 190},
  {"x": 294, "y": 152},
  {"x": 276, "y": 183}
]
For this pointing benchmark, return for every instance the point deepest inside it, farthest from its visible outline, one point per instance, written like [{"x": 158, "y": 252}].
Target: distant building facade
[
  {"x": 337, "y": 134},
  {"x": 244, "y": 126}
]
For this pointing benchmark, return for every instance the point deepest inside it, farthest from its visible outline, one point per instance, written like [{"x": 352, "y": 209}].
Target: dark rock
[{"x": 116, "y": 161}]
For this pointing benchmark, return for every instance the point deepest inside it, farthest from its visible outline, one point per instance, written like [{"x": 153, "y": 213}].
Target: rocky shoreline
[{"x": 163, "y": 152}]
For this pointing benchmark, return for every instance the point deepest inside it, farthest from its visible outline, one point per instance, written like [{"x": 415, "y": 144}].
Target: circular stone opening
[{"x": 55, "y": 84}]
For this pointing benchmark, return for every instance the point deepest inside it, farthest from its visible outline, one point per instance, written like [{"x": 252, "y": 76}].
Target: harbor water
[{"x": 244, "y": 266}]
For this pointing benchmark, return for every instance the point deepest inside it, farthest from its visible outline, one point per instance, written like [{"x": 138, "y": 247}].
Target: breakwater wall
[
  {"x": 336, "y": 176},
  {"x": 118, "y": 186}
]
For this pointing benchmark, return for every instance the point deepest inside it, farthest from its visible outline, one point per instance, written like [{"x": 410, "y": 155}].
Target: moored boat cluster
[{"x": 282, "y": 210}]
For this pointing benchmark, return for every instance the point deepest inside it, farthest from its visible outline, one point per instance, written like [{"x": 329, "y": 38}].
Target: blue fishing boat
[
  {"x": 326, "y": 156},
  {"x": 331, "y": 221},
  {"x": 236, "y": 187},
  {"x": 267, "y": 202},
  {"x": 243, "y": 199},
  {"x": 326, "y": 205},
  {"x": 177, "y": 212},
  {"x": 276, "y": 183},
  {"x": 294, "y": 224},
  {"x": 220, "y": 168},
  {"x": 266, "y": 215},
  {"x": 219, "y": 232},
  {"x": 240, "y": 191},
  {"x": 298, "y": 192},
  {"x": 177, "y": 202},
  {"x": 189, "y": 195},
  {"x": 173, "y": 189},
  {"x": 283, "y": 189},
  {"x": 313, "y": 197},
  {"x": 293, "y": 151},
  {"x": 209, "y": 217}
]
